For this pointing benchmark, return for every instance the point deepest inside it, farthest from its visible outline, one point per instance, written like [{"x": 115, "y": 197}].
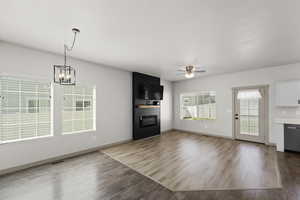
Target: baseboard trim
[
  {"x": 166, "y": 131},
  {"x": 75, "y": 154},
  {"x": 219, "y": 136},
  {"x": 59, "y": 158},
  {"x": 113, "y": 144},
  {"x": 204, "y": 134},
  {"x": 271, "y": 144}
]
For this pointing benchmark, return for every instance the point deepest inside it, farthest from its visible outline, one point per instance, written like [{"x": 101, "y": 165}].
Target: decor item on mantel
[{"x": 65, "y": 74}]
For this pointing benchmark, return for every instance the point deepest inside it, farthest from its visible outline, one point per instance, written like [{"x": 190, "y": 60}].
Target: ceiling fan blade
[
  {"x": 181, "y": 70},
  {"x": 200, "y": 71}
]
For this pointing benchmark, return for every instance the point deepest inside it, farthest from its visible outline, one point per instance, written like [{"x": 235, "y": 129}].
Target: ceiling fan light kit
[
  {"x": 190, "y": 70},
  {"x": 189, "y": 75},
  {"x": 66, "y": 74}
]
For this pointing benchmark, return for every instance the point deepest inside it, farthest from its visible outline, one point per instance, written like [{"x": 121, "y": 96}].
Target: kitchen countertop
[{"x": 287, "y": 120}]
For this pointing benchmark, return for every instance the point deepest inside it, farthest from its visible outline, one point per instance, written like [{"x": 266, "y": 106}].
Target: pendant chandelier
[{"x": 66, "y": 74}]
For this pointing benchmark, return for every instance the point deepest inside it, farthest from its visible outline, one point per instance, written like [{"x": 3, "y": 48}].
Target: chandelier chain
[{"x": 66, "y": 48}]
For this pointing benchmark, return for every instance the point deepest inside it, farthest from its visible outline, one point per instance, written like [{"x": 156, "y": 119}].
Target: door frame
[{"x": 265, "y": 116}]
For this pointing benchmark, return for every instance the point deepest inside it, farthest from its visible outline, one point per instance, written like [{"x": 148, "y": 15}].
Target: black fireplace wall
[{"x": 146, "y": 121}]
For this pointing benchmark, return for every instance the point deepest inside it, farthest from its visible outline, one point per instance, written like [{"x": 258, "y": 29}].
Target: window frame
[
  {"x": 94, "y": 112},
  {"x": 21, "y": 78},
  {"x": 196, "y": 94}
]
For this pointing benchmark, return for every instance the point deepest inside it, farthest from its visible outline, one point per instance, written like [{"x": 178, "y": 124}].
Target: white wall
[
  {"x": 223, "y": 85},
  {"x": 166, "y": 111},
  {"x": 114, "y": 106}
]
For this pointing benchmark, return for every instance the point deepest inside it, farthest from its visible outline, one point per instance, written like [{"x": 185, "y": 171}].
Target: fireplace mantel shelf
[{"x": 148, "y": 106}]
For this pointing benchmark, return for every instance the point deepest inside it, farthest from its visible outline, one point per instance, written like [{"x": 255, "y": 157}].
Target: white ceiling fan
[{"x": 190, "y": 70}]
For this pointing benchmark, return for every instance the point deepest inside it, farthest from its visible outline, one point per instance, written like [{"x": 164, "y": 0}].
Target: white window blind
[
  {"x": 197, "y": 106},
  {"x": 249, "y": 94},
  {"x": 79, "y": 109},
  {"x": 25, "y": 109}
]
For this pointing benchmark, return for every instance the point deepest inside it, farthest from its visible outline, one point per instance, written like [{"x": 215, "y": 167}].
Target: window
[
  {"x": 198, "y": 106},
  {"x": 25, "y": 107},
  {"x": 79, "y": 109},
  {"x": 249, "y": 111}
]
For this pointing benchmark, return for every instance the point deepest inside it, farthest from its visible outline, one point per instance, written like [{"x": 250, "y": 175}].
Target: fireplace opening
[{"x": 149, "y": 120}]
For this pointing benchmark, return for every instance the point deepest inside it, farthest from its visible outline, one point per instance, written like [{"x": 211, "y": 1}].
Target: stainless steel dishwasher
[{"x": 292, "y": 137}]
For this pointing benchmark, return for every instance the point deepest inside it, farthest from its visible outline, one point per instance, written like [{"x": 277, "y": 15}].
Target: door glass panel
[{"x": 249, "y": 116}]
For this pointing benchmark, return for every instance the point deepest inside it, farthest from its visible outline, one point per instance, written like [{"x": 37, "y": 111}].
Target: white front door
[{"x": 250, "y": 113}]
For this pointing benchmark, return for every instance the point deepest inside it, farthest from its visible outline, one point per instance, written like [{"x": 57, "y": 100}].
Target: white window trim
[
  {"x": 75, "y": 132},
  {"x": 193, "y": 94},
  {"x": 26, "y": 139},
  {"x": 94, "y": 115},
  {"x": 51, "y": 112}
]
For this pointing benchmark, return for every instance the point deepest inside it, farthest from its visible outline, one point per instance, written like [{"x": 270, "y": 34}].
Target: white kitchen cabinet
[{"x": 288, "y": 93}]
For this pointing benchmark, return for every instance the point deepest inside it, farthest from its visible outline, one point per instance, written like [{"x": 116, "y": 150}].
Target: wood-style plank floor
[
  {"x": 191, "y": 162},
  {"x": 96, "y": 176}
]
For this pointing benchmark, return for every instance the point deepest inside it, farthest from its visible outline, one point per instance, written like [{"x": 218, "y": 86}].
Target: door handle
[
  {"x": 236, "y": 116},
  {"x": 292, "y": 127}
]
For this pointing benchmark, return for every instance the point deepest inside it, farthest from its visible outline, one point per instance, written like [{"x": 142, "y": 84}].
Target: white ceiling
[{"x": 157, "y": 36}]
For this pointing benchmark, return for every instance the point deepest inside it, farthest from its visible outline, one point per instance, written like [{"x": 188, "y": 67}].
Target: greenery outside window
[
  {"x": 198, "y": 106},
  {"x": 25, "y": 109},
  {"x": 79, "y": 109}
]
